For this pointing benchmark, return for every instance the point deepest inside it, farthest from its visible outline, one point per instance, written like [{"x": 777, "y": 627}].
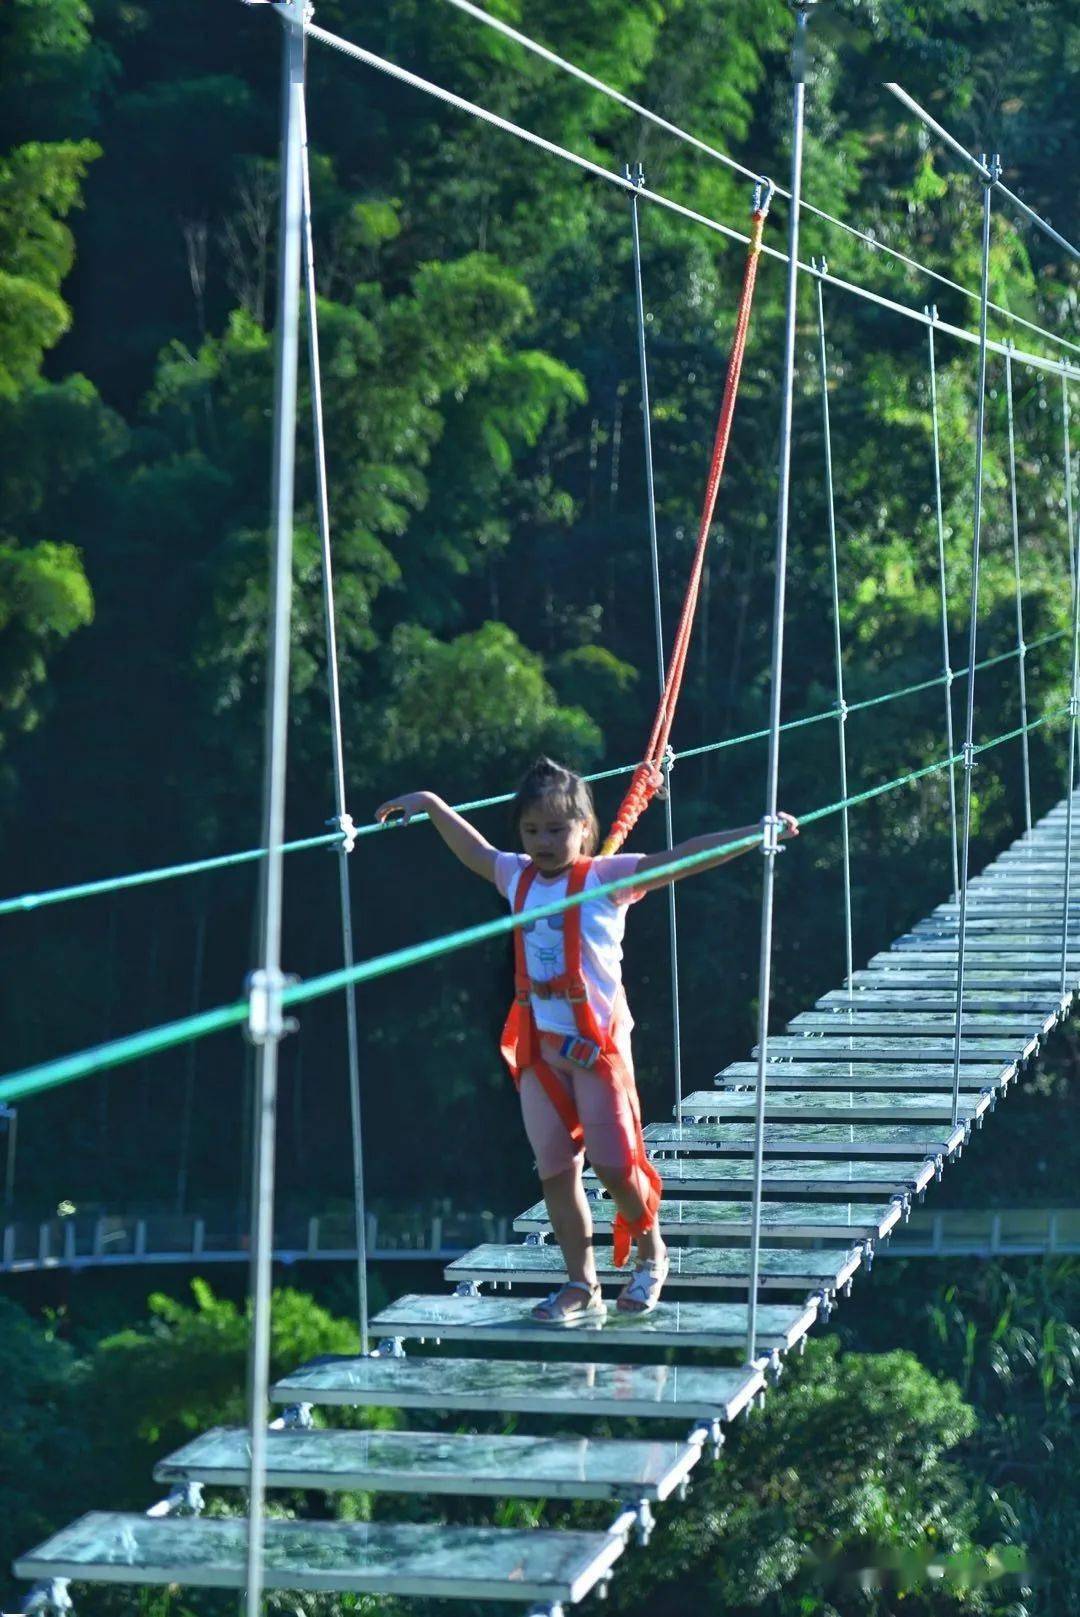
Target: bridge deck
[{"x": 858, "y": 1123}]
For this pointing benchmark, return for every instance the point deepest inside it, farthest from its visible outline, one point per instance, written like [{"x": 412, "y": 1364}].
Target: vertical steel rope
[
  {"x": 973, "y": 626},
  {"x": 1074, "y": 691},
  {"x": 943, "y": 591},
  {"x": 1021, "y": 645},
  {"x": 333, "y": 684},
  {"x": 265, "y": 1015},
  {"x": 771, "y": 843},
  {"x": 838, "y": 647},
  {"x": 638, "y": 177}
]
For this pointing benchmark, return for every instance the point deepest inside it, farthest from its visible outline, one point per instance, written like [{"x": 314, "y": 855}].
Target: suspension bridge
[{"x": 783, "y": 1180}]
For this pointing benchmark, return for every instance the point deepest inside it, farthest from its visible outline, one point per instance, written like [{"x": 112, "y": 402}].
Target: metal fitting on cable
[
  {"x": 949, "y": 675},
  {"x": 842, "y": 709},
  {"x": 820, "y": 266},
  {"x": 266, "y": 1018},
  {"x": 667, "y": 764},
  {"x": 991, "y": 170},
  {"x": 344, "y": 823},
  {"x": 635, "y": 173},
  {"x": 764, "y": 191},
  {"x": 968, "y": 751},
  {"x": 770, "y": 842}
]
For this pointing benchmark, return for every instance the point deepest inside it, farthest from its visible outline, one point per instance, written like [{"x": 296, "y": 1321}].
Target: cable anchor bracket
[
  {"x": 635, "y": 173},
  {"x": 347, "y": 826},
  {"x": 266, "y": 1017},
  {"x": 770, "y": 842},
  {"x": 967, "y": 753}
]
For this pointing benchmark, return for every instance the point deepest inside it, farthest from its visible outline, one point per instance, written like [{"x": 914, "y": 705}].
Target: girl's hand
[
  {"x": 789, "y": 826},
  {"x": 403, "y": 808}
]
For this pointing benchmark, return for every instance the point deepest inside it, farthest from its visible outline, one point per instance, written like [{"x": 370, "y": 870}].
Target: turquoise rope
[
  {"x": 115, "y": 884},
  {"x": 140, "y": 878},
  {"x": 66, "y": 1069}
]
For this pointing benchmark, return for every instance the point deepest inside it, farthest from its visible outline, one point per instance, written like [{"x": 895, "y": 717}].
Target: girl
[{"x": 567, "y": 1039}]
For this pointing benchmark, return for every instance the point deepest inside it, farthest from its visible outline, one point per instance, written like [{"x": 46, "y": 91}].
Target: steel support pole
[
  {"x": 266, "y": 1023},
  {"x": 973, "y": 626},
  {"x": 638, "y": 178},
  {"x": 943, "y": 592},
  {"x": 9, "y": 1161},
  {"x": 1021, "y": 644},
  {"x": 1074, "y": 689},
  {"x": 333, "y": 684},
  {"x": 771, "y": 841},
  {"x": 838, "y": 645}
]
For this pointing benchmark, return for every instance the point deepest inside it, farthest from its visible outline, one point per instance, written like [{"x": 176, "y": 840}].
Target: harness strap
[{"x": 521, "y": 1049}]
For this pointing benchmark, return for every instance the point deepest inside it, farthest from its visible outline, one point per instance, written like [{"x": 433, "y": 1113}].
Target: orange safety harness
[
  {"x": 593, "y": 1047},
  {"x": 648, "y": 776}
]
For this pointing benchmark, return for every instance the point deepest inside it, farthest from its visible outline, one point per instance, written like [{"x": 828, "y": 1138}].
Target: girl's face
[{"x": 551, "y": 837}]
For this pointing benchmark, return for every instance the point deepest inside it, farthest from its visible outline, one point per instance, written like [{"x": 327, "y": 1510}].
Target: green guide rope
[{"x": 119, "y": 1052}]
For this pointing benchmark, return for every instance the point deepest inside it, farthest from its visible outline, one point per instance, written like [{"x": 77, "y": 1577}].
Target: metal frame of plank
[{"x": 823, "y": 1270}]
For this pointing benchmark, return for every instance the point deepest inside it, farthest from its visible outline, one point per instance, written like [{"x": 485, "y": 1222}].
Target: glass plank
[
  {"x": 708, "y": 1176},
  {"x": 486, "y": 1563},
  {"x": 739, "y": 1071},
  {"x": 674, "y": 1323},
  {"x": 521, "y": 1386},
  {"x": 911, "y": 1003},
  {"x": 439, "y": 1462},
  {"x": 805, "y": 1139},
  {"x": 809, "y": 1220},
  {"x": 780, "y": 1268},
  {"x": 856, "y": 1106},
  {"x": 869, "y": 1022},
  {"x": 879, "y": 1046},
  {"x": 856, "y": 1069}
]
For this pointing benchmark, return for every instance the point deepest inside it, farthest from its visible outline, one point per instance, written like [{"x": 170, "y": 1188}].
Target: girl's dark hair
[{"x": 547, "y": 781}]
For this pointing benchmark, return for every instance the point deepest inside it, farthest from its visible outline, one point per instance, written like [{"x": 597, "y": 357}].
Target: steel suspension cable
[
  {"x": 1021, "y": 648},
  {"x": 770, "y": 845},
  {"x": 131, "y": 1047},
  {"x": 658, "y": 623},
  {"x": 337, "y": 745},
  {"x": 943, "y": 596},
  {"x": 265, "y": 1015},
  {"x": 868, "y": 240},
  {"x": 1074, "y": 689},
  {"x": 838, "y": 647},
  {"x": 973, "y": 628},
  {"x": 404, "y": 76}
]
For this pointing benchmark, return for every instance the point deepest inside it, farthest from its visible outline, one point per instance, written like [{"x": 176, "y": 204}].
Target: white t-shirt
[{"x": 603, "y": 922}]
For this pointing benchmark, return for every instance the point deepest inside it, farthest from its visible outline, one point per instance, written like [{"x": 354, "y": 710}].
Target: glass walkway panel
[
  {"x": 677, "y": 1324},
  {"x": 842, "y": 1106},
  {"x": 440, "y": 1462},
  {"x": 822, "y": 1140},
  {"x": 543, "y": 1387},
  {"x": 478, "y": 1563},
  {"x": 802, "y": 1220},
  {"x": 827, "y": 1269}
]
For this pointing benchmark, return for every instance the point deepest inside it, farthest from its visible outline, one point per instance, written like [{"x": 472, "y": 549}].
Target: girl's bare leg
[
  {"x": 620, "y": 1186},
  {"x": 571, "y": 1222}
]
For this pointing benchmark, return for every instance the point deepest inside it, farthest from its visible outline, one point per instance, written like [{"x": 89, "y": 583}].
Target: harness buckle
[
  {"x": 577, "y": 992},
  {"x": 584, "y": 1052}
]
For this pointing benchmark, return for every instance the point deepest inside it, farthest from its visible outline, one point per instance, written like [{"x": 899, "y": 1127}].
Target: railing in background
[{"x": 120, "y": 1240}]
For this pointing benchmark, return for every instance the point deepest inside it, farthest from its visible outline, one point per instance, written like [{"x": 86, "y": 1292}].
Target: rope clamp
[
  {"x": 667, "y": 764},
  {"x": 968, "y": 752},
  {"x": 949, "y": 676},
  {"x": 266, "y": 1019},
  {"x": 820, "y": 266},
  {"x": 764, "y": 191},
  {"x": 770, "y": 842},
  {"x": 842, "y": 709},
  {"x": 635, "y": 173},
  {"x": 345, "y": 824}
]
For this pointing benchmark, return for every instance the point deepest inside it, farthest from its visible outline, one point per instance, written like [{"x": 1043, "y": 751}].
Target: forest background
[{"x": 488, "y": 501}]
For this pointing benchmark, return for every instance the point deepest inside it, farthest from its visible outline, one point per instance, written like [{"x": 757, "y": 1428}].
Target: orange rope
[{"x": 648, "y": 777}]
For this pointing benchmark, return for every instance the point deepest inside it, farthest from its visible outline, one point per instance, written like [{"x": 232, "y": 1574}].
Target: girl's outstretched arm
[
  {"x": 789, "y": 827},
  {"x": 474, "y": 851}
]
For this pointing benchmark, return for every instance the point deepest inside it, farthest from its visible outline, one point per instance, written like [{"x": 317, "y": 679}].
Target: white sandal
[
  {"x": 642, "y": 1291},
  {"x": 593, "y": 1308}
]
